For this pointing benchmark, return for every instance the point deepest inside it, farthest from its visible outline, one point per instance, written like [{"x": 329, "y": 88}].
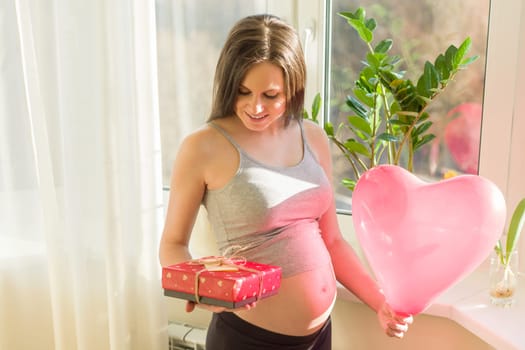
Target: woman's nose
[{"x": 256, "y": 105}]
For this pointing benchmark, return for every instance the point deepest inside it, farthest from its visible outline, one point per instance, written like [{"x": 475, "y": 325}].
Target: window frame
[{"x": 503, "y": 111}]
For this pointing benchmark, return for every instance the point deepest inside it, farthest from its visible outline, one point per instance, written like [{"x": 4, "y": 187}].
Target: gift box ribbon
[{"x": 222, "y": 263}]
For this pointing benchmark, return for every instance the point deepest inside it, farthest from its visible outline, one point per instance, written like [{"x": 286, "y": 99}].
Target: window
[{"x": 420, "y": 31}]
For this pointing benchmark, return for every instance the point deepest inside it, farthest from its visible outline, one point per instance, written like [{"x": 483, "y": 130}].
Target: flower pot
[{"x": 503, "y": 280}]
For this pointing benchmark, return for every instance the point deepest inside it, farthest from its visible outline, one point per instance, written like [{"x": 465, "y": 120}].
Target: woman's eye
[{"x": 247, "y": 92}]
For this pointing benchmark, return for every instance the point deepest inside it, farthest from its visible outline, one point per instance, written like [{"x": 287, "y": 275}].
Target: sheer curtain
[{"x": 80, "y": 176}]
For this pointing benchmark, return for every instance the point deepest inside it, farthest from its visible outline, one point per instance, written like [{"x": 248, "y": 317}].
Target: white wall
[{"x": 355, "y": 326}]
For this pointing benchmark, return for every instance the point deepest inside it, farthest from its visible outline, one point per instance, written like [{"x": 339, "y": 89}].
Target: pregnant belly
[
  {"x": 301, "y": 307},
  {"x": 296, "y": 249}
]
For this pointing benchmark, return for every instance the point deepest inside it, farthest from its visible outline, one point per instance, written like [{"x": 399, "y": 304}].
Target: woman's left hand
[{"x": 394, "y": 324}]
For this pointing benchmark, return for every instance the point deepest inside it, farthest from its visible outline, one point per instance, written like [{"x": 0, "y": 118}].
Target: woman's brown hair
[{"x": 252, "y": 40}]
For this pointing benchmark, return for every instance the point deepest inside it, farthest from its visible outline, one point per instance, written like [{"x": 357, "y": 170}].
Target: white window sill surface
[{"x": 467, "y": 303}]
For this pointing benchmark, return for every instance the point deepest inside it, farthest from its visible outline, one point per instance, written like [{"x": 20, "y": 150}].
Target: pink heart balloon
[{"x": 421, "y": 238}]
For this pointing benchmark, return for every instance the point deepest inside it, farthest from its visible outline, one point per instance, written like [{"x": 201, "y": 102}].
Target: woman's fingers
[
  {"x": 190, "y": 306},
  {"x": 394, "y": 324},
  {"x": 404, "y": 319},
  {"x": 395, "y": 334}
]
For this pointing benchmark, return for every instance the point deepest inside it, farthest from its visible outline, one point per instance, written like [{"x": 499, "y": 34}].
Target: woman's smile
[
  {"x": 258, "y": 117},
  {"x": 261, "y": 99}
]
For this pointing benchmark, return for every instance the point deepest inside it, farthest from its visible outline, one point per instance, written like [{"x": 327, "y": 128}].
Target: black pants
[{"x": 227, "y": 331}]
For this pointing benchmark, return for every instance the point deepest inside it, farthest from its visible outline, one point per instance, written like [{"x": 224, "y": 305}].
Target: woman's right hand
[{"x": 190, "y": 306}]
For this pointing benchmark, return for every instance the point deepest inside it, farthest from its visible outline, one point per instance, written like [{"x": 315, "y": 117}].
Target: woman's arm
[
  {"x": 349, "y": 270},
  {"x": 187, "y": 187}
]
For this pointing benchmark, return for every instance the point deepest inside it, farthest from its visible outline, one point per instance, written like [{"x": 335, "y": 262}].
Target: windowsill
[{"x": 467, "y": 303}]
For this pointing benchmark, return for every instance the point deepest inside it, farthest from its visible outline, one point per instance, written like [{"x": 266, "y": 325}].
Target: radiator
[{"x": 186, "y": 337}]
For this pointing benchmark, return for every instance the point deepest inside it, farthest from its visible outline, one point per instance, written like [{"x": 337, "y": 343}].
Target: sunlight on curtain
[{"x": 80, "y": 180}]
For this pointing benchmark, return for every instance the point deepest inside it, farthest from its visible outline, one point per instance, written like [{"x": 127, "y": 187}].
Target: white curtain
[{"x": 80, "y": 176}]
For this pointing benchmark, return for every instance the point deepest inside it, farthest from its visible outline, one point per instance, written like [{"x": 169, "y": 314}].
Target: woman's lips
[{"x": 257, "y": 117}]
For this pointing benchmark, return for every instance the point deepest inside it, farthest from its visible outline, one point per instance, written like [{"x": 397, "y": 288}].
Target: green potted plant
[
  {"x": 504, "y": 263},
  {"x": 513, "y": 234},
  {"x": 390, "y": 121}
]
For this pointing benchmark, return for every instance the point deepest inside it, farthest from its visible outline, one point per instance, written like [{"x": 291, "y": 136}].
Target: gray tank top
[{"x": 270, "y": 214}]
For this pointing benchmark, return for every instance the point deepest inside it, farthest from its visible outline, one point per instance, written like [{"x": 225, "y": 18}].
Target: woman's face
[{"x": 261, "y": 99}]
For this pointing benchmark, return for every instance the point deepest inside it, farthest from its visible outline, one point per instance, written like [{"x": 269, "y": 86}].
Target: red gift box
[{"x": 219, "y": 281}]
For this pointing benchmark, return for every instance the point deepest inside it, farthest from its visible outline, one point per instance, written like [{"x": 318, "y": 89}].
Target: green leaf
[
  {"x": 364, "y": 97},
  {"x": 360, "y": 13},
  {"x": 305, "y": 114},
  {"x": 387, "y": 137},
  {"x": 360, "y": 124},
  {"x": 316, "y": 106},
  {"x": 348, "y": 183},
  {"x": 462, "y": 51},
  {"x": 374, "y": 60},
  {"x": 469, "y": 60},
  {"x": 421, "y": 128},
  {"x": 450, "y": 55},
  {"x": 364, "y": 33},
  {"x": 357, "y": 107},
  {"x": 428, "y": 81},
  {"x": 499, "y": 252},
  {"x": 399, "y": 122},
  {"x": 372, "y": 79},
  {"x": 329, "y": 129},
  {"x": 353, "y": 146},
  {"x": 384, "y": 46},
  {"x": 370, "y": 24},
  {"x": 408, "y": 114},
  {"x": 424, "y": 116},
  {"x": 515, "y": 228},
  {"x": 393, "y": 61},
  {"x": 394, "y": 107},
  {"x": 347, "y": 15},
  {"x": 357, "y": 21},
  {"x": 442, "y": 67},
  {"x": 423, "y": 141}
]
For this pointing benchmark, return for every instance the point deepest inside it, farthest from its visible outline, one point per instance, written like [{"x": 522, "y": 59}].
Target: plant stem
[
  {"x": 348, "y": 155},
  {"x": 407, "y": 134},
  {"x": 410, "y": 164},
  {"x": 372, "y": 141},
  {"x": 390, "y": 145}
]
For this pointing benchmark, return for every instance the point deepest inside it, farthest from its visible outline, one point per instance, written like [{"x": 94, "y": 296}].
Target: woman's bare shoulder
[
  {"x": 319, "y": 144},
  {"x": 202, "y": 142},
  {"x": 315, "y": 135}
]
